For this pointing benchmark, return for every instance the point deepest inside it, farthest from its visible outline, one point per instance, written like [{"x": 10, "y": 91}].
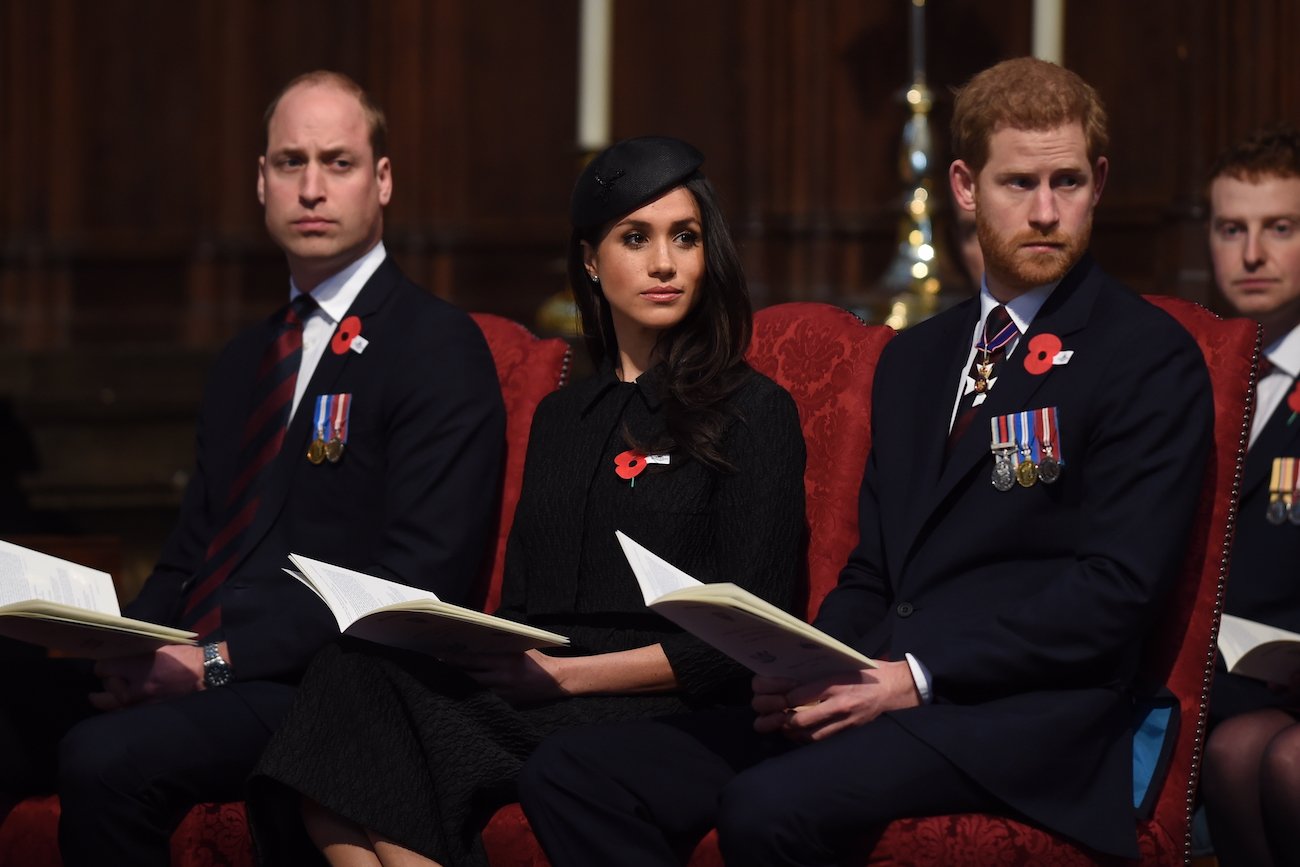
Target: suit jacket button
[{"x": 904, "y": 609}]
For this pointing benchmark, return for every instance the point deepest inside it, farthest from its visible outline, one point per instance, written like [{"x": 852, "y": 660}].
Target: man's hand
[
  {"x": 169, "y": 671},
  {"x": 816, "y": 710},
  {"x": 516, "y": 677}
]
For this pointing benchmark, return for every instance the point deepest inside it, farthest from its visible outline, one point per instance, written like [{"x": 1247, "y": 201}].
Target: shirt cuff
[{"x": 921, "y": 675}]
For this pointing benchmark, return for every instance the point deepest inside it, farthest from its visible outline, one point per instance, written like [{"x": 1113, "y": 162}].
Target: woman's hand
[{"x": 519, "y": 678}]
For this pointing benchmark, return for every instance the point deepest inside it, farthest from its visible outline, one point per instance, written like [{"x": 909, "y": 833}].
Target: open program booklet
[
  {"x": 71, "y": 609},
  {"x": 400, "y": 616},
  {"x": 755, "y": 633},
  {"x": 1257, "y": 650}
]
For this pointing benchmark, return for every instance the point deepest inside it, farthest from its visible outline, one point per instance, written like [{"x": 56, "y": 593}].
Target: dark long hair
[{"x": 703, "y": 355}]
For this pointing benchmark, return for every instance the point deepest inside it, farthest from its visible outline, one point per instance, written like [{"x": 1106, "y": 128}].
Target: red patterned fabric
[
  {"x": 826, "y": 358},
  {"x": 216, "y": 835},
  {"x": 529, "y": 368}
]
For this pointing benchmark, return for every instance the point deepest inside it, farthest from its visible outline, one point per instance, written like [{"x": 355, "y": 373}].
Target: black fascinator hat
[{"x": 627, "y": 175}]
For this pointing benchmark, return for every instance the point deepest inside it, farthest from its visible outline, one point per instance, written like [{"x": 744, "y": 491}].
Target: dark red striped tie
[
  {"x": 277, "y": 376},
  {"x": 991, "y": 349}
]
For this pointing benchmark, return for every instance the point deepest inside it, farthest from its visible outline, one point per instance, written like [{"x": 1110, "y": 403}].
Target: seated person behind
[
  {"x": 390, "y": 754},
  {"x": 1251, "y": 784}
]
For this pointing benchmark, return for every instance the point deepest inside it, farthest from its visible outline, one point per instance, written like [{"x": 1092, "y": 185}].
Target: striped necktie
[
  {"x": 273, "y": 390},
  {"x": 990, "y": 352}
]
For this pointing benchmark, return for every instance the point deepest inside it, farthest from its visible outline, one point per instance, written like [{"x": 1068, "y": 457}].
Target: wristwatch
[{"x": 216, "y": 671}]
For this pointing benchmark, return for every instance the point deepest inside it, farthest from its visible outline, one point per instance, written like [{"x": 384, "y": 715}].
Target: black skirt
[{"x": 408, "y": 748}]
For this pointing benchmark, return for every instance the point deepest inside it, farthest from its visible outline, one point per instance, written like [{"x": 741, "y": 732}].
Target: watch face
[{"x": 216, "y": 671}]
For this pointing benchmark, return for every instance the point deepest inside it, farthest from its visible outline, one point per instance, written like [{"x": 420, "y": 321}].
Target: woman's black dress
[{"x": 421, "y": 754}]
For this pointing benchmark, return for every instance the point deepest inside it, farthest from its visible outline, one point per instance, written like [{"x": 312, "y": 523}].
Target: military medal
[
  {"x": 1049, "y": 468},
  {"x": 331, "y": 422},
  {"x": 1004, "y": 477},
  {"x": 986, "y": 346},
  {"x": 1280, "y": 488},
  {"x": 1026, "y": 469},
  {"x": 316, "y": 451}
]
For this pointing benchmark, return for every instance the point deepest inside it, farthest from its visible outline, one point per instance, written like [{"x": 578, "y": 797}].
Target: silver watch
[{"x": 216, "y": 671}]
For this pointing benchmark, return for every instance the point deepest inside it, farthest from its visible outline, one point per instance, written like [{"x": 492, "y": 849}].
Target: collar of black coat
[{"x": 649, "y": 385}]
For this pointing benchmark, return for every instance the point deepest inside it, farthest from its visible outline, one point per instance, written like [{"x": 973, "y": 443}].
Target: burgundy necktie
[
  {"x": 273, "y": 389},
  {"x": 990, "y": 350}
]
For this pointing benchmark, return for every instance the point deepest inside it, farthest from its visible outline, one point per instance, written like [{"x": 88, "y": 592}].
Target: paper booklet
[
  {"x": 71, "y": 609},
  {"x": 400, "y": 616},
  {"x": 1257, "y": 650},
  {"x": 752, "y": 631}
]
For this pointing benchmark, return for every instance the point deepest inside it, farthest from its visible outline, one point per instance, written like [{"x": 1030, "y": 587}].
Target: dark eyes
[{"x": 687, "y": 238}]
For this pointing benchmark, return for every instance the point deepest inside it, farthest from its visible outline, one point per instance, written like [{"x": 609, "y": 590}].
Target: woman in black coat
[{"x": 391, "y": 757}]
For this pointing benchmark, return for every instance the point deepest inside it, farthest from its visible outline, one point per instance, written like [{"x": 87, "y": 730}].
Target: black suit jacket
[
  {"x": 1029, "y": 606},
  {"x": 412, "y": 498},
  {"x": 1262, "y": 583}
]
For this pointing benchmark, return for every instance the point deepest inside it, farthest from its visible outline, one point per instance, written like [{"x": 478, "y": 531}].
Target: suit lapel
[
  {"x": 330, "y": 367},
  {"x": 938, "y": 376},
  {"x": 1065, "y": 313}
]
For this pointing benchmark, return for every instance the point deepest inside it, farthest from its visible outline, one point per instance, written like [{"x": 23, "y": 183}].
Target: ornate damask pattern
[
  {"x": 528, "y": 368},
  {"x": 826, "y": 358}
]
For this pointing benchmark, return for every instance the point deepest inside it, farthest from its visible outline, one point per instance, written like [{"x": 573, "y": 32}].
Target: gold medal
[
  {"x": 316, "y": 451},
  {"x": 1027, "y": 473},
  {"x": 334, "y": 450}
]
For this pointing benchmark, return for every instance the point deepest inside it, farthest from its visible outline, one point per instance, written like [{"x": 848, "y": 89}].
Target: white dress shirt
[
  {"x": 1270, "y": 390},
  {"x": 333, "y": 297}
]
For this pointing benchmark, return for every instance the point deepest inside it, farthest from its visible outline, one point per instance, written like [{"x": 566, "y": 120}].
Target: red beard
[{"x": 1021, "y": 269}]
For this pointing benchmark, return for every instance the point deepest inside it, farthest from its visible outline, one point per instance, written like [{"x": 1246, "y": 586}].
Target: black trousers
[
  {"x": 126, "y": 778},
  {"x": 645, "y": 793}
]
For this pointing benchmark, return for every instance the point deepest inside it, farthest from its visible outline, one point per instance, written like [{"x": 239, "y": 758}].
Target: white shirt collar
[
  {"x": 1285, "y": 353},
  {"x": 336, "y": 292},
  {"x": 1022, "y": 309}
]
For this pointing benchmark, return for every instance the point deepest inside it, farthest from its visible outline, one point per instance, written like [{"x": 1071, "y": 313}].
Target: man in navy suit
[
  {"x": 362, "y": 425},
  {"x": 1250, "y": 784},
  {"x": 1037, "y": 455}
]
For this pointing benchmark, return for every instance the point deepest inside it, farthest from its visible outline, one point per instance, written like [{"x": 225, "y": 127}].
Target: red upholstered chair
[
  {"x": 529, "y": 369},
  {"x": 826, "y": 358},
  {"x": 216, "y": 835},
  {"x": 1180, "y": 652}
]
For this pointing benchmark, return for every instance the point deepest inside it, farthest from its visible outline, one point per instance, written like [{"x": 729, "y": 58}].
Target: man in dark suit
[
  {"x": 362, "y": 425},
  {"x": 1250, "y": 785},
  {"x": 1036, "y": 458}
]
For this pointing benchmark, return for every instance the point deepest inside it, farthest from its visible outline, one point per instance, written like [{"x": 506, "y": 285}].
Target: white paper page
[
  {"x": 28, "y": 574},
  {"x": 655, "y": 575},
  {"x": 351, "y": 594},
  {"x": 1237, "y": 635},
  {"x": 757, "y": 643}
]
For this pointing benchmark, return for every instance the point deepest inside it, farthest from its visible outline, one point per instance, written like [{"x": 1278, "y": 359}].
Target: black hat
[{"x": 627, "y": 175}]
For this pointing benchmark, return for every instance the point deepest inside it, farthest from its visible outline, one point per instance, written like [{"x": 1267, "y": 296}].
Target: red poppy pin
[
  {"x": 348, "y": 331},
  {"x": 629, "y": 465},
  {"x": 1293, "y": 401},
  {"x": 1042, "y": 349}
]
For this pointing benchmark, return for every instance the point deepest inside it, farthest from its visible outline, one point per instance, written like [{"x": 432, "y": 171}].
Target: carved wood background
[{"x": 131, "y": 243}]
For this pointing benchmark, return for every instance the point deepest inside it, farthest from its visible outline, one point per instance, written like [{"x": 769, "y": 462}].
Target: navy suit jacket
[
  {"x": 1262, "y": 584},
  {"x": 1029, "y": 606},
  {"x": 412, "y": 499}
]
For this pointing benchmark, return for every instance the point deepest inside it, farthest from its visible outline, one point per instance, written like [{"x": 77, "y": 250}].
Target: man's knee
[
  {"x": 95, "y": 759},
  {"x": 757, "y": 819}
]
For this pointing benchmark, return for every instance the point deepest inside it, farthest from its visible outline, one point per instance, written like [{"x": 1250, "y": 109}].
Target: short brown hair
[
  {"x": 374, "y": 114},
  {"x": 1029, "y": 94},
  {"x": 1273, "y": 151}
]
